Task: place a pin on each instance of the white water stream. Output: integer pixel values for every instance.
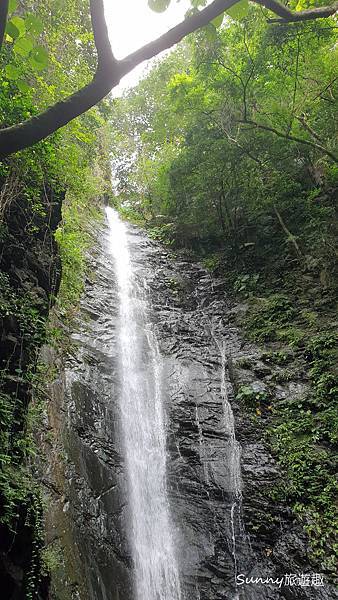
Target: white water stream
(156, 572)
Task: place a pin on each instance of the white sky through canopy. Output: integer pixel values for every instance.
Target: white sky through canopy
(131, 24)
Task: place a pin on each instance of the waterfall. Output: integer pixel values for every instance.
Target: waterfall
(143, 427)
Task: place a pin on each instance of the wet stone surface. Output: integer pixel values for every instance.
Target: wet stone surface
(225, 522)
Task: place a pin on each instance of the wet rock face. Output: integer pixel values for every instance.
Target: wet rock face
(225, 522)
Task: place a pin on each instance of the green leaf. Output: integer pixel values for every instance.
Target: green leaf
(38, 59)
(23, 86)
(40, 56)
(158, 5)
(12, 6)
(217, 21)
(19, 24)
(239, 11)
(210, 32)
(33, 24)
(23, 46)
(36, 66)
(12, 30)
(12, 72)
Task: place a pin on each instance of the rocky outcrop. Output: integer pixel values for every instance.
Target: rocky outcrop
(226, 523)
(29, 279)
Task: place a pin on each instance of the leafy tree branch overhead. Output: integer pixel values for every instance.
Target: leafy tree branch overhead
(21, 34)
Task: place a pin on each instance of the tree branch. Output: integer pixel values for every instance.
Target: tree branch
(288, 233)
(288, 16)
(3, 19)
(105, 57)
(245, 150)
(327, 87)
(245, 86)
(308, 128)
(109, 71)
(108, 74)
(295, 87)
(39, 127)
(292, 138)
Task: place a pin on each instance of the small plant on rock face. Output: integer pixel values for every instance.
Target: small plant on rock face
(162, 233)
(320, 346)
(212, 262)
(247, 394)
(258, 400)
(283, 376)
(51, 558)
(269, 318)
(244, 363)
(321, 354)
(174, 286)
(246, 284)
(291, 335)
(280, 357)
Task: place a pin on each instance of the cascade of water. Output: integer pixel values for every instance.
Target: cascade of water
(156, 572)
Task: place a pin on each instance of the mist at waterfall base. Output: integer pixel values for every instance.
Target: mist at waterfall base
(143, 427)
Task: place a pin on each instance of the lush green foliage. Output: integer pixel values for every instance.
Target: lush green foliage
(22, 33)
(206, 144)
(74, 238)
(48, 52)
(302, 430)
(304, 439)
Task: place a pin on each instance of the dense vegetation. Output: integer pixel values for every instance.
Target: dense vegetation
(108, 70)
(47, 52)
(227, 150)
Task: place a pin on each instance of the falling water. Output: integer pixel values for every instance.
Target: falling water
(156, 573)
